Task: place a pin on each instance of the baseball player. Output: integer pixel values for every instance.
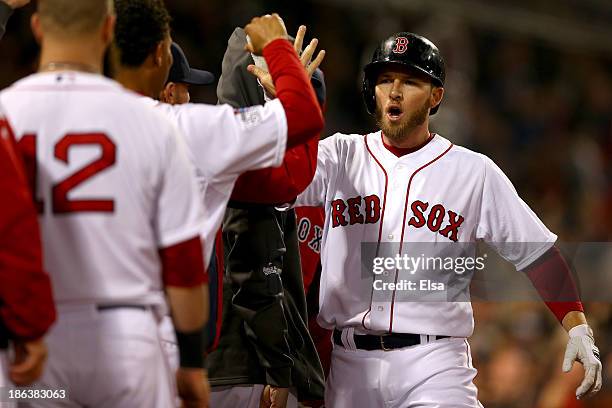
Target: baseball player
(406, 185)
(223, 142)
(176, 92)
(181, 77)
(26, 305)
(120, 217)
(6, 9)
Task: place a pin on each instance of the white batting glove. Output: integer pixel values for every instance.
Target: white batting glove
(581, 346)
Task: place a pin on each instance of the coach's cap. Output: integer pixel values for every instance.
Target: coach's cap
(182, 72)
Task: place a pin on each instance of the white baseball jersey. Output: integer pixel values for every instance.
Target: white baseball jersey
(223, 143)
(441, 193)
(113, 184)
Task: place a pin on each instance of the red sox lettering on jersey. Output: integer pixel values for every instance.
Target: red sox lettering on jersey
(366, 210)
(309, 233)
(440, 193)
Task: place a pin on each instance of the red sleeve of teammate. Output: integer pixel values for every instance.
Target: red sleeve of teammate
(281, 184)
(293, 89)
(26, 302)
(553, 280)
(183, 264)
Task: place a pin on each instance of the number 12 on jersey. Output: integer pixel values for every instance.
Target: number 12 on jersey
(61, 204)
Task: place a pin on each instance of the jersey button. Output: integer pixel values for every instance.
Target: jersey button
(381, 308)
(390, 236)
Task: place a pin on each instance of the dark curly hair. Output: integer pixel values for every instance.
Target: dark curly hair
(141, 25)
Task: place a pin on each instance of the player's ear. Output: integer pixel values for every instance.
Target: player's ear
(167, 95)
(437, 92)
(108, 29)
(36, 28)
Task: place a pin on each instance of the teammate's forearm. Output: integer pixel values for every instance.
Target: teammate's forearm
(295, 92)
(189, 307)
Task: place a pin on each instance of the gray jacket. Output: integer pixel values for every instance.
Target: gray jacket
(264, 335)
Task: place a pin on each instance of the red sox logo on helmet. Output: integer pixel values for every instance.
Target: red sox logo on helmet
(401, 45)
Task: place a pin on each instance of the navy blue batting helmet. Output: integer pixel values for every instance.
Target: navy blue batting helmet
(406, 49)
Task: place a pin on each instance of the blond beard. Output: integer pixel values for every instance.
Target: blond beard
(400, 132)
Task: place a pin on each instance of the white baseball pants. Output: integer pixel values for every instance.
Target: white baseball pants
(438, 374)
(167, 337)
(4, 379)
(106, 359)
(168, 342)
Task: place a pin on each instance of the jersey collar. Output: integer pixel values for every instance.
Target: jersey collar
(434, 147)
(402, 151)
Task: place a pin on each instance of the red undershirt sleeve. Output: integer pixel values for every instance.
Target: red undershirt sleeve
(281, 184)
(552, 278)
(183, 264)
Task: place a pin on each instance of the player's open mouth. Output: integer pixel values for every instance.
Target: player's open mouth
(394, 113)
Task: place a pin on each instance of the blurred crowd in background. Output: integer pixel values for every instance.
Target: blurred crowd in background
(540, 106)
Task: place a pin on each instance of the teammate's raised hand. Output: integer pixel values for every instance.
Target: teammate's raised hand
(15, 4)
(306, 55)
(262, 31)
(309, 64)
